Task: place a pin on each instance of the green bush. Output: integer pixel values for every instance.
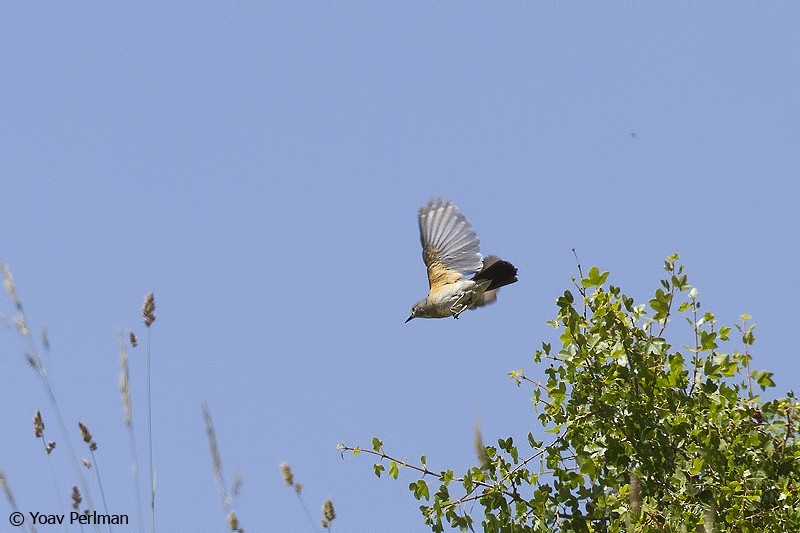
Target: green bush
(646, 437)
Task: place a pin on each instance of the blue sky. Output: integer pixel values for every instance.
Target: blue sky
(259, 167)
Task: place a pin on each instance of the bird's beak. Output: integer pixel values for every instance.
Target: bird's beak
(409, 318)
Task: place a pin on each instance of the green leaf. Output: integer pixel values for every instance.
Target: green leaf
(559, 393)
(748, 337)
(679, 282)
(468, 484)
(446, 477)
(697, 466)
(378, 469)
(513, 452)
(420, 489)
(589, 468)
(393, 470)
(660, 304)
(707, 339)
(377, 444)
(565, 300)
(595, 278)
(764, 379)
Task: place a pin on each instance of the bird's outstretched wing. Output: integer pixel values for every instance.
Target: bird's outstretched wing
(450, 247)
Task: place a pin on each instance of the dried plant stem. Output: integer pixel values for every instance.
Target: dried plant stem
(39, 366)
(216, 458)
(150, 439)
(136, 482)
(308, 514)
(99, 483)
(36, 362)
(53, 475)
(328, 514)
(216, 465)
(288, 479)
(148, 314)
(126, 402)
(10, 497)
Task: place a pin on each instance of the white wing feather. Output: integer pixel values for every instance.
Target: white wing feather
(447, 236)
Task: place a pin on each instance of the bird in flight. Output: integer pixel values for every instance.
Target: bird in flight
(459, 276)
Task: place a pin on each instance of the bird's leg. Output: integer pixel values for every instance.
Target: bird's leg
(458, 307)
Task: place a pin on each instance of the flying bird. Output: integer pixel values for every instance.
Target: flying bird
(459, 276)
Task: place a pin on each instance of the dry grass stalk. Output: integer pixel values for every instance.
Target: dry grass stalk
(38, 431)
(123, 383)
(7, 491)
(33, 358)
(288, 479)
(236, 486)
(148, 309)
(38, 424)
(124, 389)
(76, 498)
(216, 460)
(87, 436)
(286, 473)
(216, 463)
(8, 280)
(328, 511)
(45, 339)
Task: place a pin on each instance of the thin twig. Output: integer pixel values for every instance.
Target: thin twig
(747, 359)
(581, 288)
(523, 377)
(669, 303)
(580, 271)
(696, 358)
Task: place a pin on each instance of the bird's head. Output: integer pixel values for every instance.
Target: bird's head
(416, 310)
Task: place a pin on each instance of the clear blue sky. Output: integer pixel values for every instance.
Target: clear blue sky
(260, 168)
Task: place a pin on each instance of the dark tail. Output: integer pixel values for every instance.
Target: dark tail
(498, 271)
